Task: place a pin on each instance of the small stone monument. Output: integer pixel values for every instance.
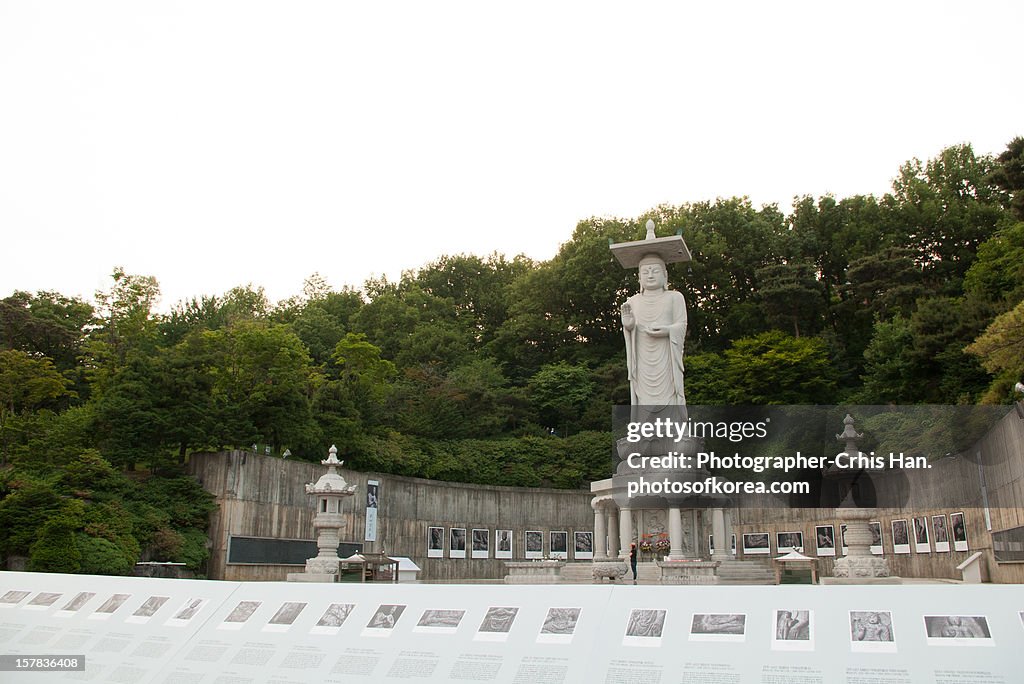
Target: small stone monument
(859, 566)
(329, 491)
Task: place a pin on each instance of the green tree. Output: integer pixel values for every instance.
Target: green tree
(776, 368)
(559, 393)
(262, 384)
(45, 324)
(948, 208)
(1008, 176)
(998, 273)
(1000, 350)
(792, 298)
(889, 373)
(26, 383)
(479, 289)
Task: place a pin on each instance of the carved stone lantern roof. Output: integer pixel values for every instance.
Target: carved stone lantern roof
(331, 482)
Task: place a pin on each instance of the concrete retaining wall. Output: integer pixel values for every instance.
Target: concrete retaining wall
(262, 496)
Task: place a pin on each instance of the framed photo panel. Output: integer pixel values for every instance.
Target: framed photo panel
(457, 542)
(789, 541)
(756, 543)
(940, 532)
(435, 542)
(900, 537)
(921, 544)
(534, 543)
(583, 545)
(559, 545)
(825, 540)
(959, 525)
(503, 544)
(481, 543)
(876, 537)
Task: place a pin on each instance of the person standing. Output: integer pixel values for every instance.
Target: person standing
(632, 560)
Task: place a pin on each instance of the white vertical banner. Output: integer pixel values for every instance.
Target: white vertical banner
(372, 500)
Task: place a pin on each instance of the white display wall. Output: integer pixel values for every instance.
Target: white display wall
(140, 630)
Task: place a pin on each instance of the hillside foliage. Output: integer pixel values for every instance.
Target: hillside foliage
(493, 369)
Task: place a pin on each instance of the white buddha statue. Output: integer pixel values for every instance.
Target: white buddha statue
(654, 325)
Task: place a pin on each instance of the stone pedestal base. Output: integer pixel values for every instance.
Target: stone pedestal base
(326, 566)
(689, 572)
(534, 572)
(860, 567)
(613, 570)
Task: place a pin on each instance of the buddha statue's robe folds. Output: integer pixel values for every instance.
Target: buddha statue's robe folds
(655, 359)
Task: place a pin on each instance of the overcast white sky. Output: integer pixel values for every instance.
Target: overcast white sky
(213, 144)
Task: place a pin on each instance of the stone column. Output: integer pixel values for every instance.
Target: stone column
(695, 532)
(625, 532)
(613, 532)
(720, 534)
(600, 541)
(728, 530)
(675, 533)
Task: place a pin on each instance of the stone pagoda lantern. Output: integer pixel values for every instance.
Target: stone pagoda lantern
(859, 566)
(328, 522)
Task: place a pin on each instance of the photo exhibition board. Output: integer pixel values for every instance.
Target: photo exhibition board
(152, 630)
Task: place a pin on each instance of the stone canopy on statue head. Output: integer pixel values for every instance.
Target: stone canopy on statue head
(669, 249)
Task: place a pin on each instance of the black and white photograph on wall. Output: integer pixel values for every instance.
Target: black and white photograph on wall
(583, 545)
(792, 630)
(534, 544)
(481, 543)
(959, 525)
(876, 537)
(842, 538)
(921, 544)
(457, 542)
(333, 618)
(148, 608)
(559, 545)
(559, 625)
(789, 541)
(756, 543)
(384, 620)
(435, 542)
(644, 627)
(718, 627)
(284, 617)
(962, 630)
(940, 533)
(900, 537)
(496, 624)
(825, 540)
(439, 621)
(503, 544)
(872, 631)
(372, 504)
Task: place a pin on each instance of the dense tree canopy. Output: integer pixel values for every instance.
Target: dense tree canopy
(498, 370)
